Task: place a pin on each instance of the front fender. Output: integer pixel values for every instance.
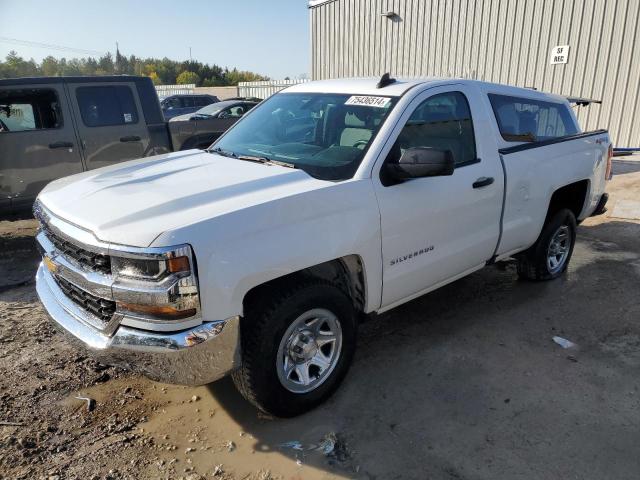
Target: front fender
(246, 248)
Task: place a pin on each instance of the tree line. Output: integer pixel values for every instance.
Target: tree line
(162, 71)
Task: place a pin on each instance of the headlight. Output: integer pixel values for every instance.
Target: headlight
(156, 285)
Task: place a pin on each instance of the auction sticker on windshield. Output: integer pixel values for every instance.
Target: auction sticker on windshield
(369, 101)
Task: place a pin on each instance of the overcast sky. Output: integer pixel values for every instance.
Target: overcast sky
(270, 37)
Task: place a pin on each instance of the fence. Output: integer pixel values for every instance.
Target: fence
(262, 89)
(267, 88)
(166, 90)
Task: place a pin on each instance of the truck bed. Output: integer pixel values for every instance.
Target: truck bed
(565, 160)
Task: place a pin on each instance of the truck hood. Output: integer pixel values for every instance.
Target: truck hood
(133, 202)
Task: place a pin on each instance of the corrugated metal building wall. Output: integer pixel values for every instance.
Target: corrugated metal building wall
(503, 41)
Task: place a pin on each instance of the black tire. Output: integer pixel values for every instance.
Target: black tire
(532, 264)
(262, 329)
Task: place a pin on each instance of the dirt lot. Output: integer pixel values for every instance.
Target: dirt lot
(464, 383)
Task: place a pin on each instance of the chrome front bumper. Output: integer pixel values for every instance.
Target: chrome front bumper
(196, 356)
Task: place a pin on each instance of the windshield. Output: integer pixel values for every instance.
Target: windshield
(211, 109)
(326, 135)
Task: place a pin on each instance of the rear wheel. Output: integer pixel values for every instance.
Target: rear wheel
(549, 257)
(297, 347)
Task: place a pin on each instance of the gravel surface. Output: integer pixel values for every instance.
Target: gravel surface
(464, 383)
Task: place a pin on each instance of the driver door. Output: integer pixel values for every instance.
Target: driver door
(437, 229)
(37, 141)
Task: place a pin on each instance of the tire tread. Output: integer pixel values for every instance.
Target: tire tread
(531, 264)
(259, 317)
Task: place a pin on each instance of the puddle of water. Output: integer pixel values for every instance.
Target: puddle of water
(197, 432)
(589, 252)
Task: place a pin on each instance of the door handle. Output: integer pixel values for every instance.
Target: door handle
(483, 182)
(60, 145)
(130, 138)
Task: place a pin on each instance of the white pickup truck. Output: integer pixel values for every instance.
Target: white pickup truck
(330, 200)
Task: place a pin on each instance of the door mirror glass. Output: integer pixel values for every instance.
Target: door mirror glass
(418, 162)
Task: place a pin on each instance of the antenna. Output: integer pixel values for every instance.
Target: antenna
(385, 80)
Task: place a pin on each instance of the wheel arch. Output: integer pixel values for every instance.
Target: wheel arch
(572, 196)
(346, 272)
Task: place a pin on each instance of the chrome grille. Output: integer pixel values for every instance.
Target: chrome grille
(95, 262)
(99, 307)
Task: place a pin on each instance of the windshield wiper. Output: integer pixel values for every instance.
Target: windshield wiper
(265, 160)
(282, 164)
(250, 158)
(224, 153)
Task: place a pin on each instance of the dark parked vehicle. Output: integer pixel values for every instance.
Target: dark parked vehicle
(234, 108)
(175, 105)
(52, 127)
(246, 99)
(202, 128)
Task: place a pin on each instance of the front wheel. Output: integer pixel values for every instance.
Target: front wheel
(549, 257)
(296, 347)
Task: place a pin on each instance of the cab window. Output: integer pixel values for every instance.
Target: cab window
(233, 112)
(203, 101)
(172, 102)
(442, 122)
(106, 105)
(527, 120)
(29, 109)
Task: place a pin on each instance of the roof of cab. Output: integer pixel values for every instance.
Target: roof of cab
(144, 86)
(368, 86)
(359, 86)
(75, 79)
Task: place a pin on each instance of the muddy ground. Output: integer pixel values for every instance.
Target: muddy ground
(464, 383)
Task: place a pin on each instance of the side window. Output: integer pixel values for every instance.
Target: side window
(189, 102)
(442, 122)
(236, 111)
(29, 109)
(527, 120)
(172, 102)
(232, 112)
(204, 101)
(106, 105)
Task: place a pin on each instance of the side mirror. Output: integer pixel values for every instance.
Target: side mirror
(418, 162)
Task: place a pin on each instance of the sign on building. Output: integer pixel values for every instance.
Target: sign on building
(559, 54)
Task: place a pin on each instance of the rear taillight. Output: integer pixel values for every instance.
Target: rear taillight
(609, 160)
